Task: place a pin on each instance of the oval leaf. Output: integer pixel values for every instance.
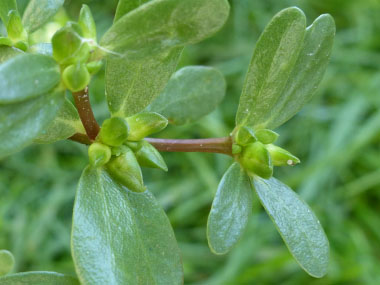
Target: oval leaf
(274, 57)
(230, 210)
(126, 6)
(20, 123)
(38, 277)
(307, 72)
(296, 223)
(27, 76)
(7, 262)
(121, 237)
(142, 32)
(132, 84)
(191, 93)
(39, 12)
(64, 125)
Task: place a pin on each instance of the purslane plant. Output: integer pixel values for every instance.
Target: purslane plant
(120, 234)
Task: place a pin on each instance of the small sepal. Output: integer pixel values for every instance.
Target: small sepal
(245, 135)
(76, 77)
(126, 170)
(148, 156)
(256, 160)
(281, 156)
(144, 124)
(99, 154)
(114, 131)
(266, 136)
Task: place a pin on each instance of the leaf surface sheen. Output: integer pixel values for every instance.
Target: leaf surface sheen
(126, 6)
(121, 237)
(38, 278)
(230, 210)
(296, 223)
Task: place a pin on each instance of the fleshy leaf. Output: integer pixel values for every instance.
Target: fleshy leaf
(64, 125)
(21, 123)
(7, 262)
(8, 52)
(296, 223)
(308, 71)
(27, 76)
(192, 92)
(142, 32)
(126, 6)
(121, 237)
(5, 7)
(274, 57)
(38, 277)
(131, 84)
(39, 12)
(230, 210)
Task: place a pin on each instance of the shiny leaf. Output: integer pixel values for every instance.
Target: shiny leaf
(165, 24)
(192, 92)
(121, 237)
(297, 224)
(230, 210)
(39, 12)
(274, 57)
(27, 76)
(38, 277)
(21, 123)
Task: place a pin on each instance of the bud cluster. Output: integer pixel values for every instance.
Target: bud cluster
(255, 151)
(120, 148)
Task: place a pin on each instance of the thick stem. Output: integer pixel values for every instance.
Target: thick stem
(214, 145)
(81, 138)
(82, 102)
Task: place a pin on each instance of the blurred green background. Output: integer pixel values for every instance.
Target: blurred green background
(336, 136)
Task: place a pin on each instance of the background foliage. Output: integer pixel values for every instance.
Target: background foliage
(336, 137)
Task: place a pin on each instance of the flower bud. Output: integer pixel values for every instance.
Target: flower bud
(5, 41)
(69, 45)
(87, 23)
(114, 131)
(144, 124)
(99, 154)
(236, 149)
(76, 77)
(148, 156)
(256, 160)
(245, 135)
(94, 66)
(266, 136)
(126, 170)
(281, 156)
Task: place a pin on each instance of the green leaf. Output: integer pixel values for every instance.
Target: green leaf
(274, 57)
(63, 126)
(27, 76)
(126, 6)
(165, 24)
(297, 225)
(5, 7)
(191, 93)
(8, 52)
(230, 210)
(21, 123)
(38, 277)
(131, 84)
(308, 71)
(121, 237)
(39, 12)
(7, 262)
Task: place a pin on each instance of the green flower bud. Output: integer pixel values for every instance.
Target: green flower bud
(87, 23)
(266, 136)
(69, 46)
(5, 41)
(126, 170)
(144, 124)
(22, 45)
(245, 135)
(76, 77)
(256, 160)
(114, 131)
(148, 156)
(281, 156)
(99, 154)
(236, 149)
(135, 146)
(15, 29)
(94, 66)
